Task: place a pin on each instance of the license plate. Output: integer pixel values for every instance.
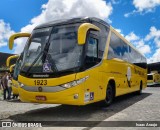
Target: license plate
(41, 98)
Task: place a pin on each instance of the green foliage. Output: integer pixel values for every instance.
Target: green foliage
(3, 68)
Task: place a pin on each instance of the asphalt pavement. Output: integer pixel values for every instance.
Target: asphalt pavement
(128, 108)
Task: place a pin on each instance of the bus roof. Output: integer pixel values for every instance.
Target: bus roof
(73, 20)
(84, 19)
(152, 73)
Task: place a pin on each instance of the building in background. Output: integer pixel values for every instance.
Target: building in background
(3, 58)
(154, 67)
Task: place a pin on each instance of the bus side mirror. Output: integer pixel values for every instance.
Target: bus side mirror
(11, 68)
(15, 36)
(10, 58)
(82, 32)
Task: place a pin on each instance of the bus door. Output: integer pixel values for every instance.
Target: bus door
(90, 61)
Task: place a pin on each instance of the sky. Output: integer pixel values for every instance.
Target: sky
(137, 20)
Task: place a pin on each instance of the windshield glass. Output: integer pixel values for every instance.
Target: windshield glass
(35, 47)
(17, 67)
(16, 71)
(52, 51)
(150, 77)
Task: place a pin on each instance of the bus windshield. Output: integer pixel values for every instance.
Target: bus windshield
(52, 50)
(149, 77)
(17, 67)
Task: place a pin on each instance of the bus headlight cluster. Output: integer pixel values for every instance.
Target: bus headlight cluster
(74, 83)
(21, 85)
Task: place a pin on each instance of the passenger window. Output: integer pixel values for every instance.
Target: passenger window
(120, 49)
(124, 50)
(92, 48)
(117, 48)
(103, 35)
(91, 58)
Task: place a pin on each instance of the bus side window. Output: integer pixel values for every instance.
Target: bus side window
(115, 47)
(91, 52)
(92, 48)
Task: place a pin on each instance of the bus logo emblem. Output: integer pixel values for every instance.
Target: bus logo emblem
(40, 89)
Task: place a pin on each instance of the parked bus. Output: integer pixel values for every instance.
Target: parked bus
(153, 79)
(15, 68)
(78, 61)
(11, 68)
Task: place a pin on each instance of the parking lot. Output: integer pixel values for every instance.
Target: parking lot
(131, 107)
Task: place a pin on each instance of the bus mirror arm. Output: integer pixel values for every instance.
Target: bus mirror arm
(10, 58)
(82, 32)
(11, 68)
(15, 36)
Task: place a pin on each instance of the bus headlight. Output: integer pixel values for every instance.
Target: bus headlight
(21, 85)
(74, 83)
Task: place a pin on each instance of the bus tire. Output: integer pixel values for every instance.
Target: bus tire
(109, 95)
(139, 92)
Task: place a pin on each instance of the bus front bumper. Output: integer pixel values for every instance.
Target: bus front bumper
(152, 84)
(71, 96)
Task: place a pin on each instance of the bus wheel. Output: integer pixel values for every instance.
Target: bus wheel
(139, 92)
(109, 95)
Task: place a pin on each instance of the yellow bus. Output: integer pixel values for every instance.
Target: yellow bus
(153, 79)
(15, 68)
(77, 62)
(12, 68)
